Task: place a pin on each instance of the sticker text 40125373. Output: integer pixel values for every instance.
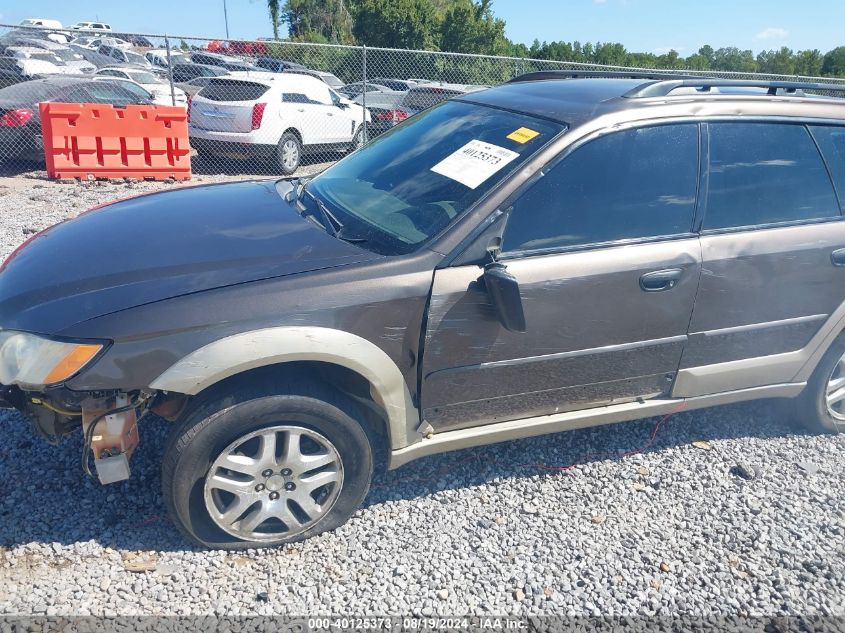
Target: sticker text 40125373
(474, 163)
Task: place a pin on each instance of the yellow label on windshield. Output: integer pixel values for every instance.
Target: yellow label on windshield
(523, 135)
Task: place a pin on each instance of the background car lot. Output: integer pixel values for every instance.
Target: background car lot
(404, 81)
(566, 524)
(576, 523)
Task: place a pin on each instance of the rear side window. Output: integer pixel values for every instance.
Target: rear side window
(831, 141)
(230, 90)
(763, 173)
(632, 184)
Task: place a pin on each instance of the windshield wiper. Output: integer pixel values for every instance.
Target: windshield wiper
(330, 221)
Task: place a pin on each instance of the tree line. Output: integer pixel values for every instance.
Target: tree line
(470, 26)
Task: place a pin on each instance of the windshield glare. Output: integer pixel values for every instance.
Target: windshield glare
(143, 78)
(405, 187)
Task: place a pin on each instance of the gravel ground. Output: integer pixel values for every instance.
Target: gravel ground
(671, 530)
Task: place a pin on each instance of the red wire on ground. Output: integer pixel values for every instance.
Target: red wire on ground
(582, 460)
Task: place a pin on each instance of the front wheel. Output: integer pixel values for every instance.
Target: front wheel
(258, 469)
(289, 153)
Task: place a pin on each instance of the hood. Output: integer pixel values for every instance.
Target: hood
(158, 246)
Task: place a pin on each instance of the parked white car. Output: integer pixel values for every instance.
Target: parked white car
(43, 22)
(93, 43)
(71, 58)
(37, 61)
(91, 26)
(160, 90)
(277, 116)
(158, 57)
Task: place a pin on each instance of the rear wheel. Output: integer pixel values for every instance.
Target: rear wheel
(289, 153)
(821, 406)
(260, 468)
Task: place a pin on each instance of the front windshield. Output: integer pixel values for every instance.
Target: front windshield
(143, 78)
(46, 56)
(405, 187)
(67, 55)
(134, 58)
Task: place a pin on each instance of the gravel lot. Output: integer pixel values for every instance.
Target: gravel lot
(671, 530)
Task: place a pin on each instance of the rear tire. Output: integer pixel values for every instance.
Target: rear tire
(357, 140)
(310, 484)
(821, 406)
(289, 153)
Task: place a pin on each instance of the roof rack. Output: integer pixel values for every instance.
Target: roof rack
(664, 88)
(540, 75)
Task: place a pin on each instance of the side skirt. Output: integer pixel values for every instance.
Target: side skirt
(530, 427)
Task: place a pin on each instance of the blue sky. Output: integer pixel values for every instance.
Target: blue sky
(642, 25)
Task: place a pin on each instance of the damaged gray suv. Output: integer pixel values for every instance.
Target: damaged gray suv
(546, 255)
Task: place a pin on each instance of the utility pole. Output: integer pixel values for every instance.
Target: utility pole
(226, 19)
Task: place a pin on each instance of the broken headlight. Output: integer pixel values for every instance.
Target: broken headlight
(31, 360)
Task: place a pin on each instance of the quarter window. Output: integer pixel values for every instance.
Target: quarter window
(626, 185)
(831, 141)
(764, 173)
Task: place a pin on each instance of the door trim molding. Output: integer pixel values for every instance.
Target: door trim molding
(531, 427)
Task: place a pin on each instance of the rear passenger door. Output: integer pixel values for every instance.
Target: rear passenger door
(771, 239)
(603, 247)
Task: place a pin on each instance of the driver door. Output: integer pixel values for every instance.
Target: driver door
(603, 249)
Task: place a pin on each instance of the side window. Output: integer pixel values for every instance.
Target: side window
(632, 184)
(831, 140)
(294, 97)
(762, 173)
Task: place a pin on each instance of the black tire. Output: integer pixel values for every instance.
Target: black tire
(810, 407)
(357, 140)
(289, 142)
(217, 420)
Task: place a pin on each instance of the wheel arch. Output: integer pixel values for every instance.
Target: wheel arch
(280, 346)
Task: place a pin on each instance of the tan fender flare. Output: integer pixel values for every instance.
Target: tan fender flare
(238, 353)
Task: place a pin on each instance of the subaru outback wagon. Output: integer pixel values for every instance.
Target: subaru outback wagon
(546, 255)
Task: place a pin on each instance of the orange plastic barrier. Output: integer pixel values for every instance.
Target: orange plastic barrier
(94, 140)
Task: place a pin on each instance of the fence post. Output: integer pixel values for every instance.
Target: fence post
(364, 93)
(170, 71)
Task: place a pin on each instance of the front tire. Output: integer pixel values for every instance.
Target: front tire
(821, 406)
(289, 153)
(266, 465)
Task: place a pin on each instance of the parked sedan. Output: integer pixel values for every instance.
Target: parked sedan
(183, 73)
(158, 57)
(427, 95)
(107, 55)
(43, 62)
(158, 88)
(72, 59)
(20, 123)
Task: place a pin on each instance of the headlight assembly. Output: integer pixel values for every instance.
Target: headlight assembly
(28, 359)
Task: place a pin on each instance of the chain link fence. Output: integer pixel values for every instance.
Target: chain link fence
(255, 107)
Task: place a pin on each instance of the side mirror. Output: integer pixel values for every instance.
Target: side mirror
(503, 289)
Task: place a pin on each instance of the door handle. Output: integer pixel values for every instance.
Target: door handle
(837, 257)
(300, 109)
(661, 280)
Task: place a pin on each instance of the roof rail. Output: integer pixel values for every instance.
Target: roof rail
(664, 88)
(540, 75)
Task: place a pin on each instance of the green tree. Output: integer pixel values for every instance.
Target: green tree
(470, 27)
(833, 64)
(397, 24)
(318, 21)
(779, 62)
(273, 7)
(808, 63)
(734, 59)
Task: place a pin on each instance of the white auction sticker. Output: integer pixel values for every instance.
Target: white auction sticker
(474, 163)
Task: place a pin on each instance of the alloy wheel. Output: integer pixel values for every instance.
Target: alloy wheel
(835, 391)
(273, 483)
